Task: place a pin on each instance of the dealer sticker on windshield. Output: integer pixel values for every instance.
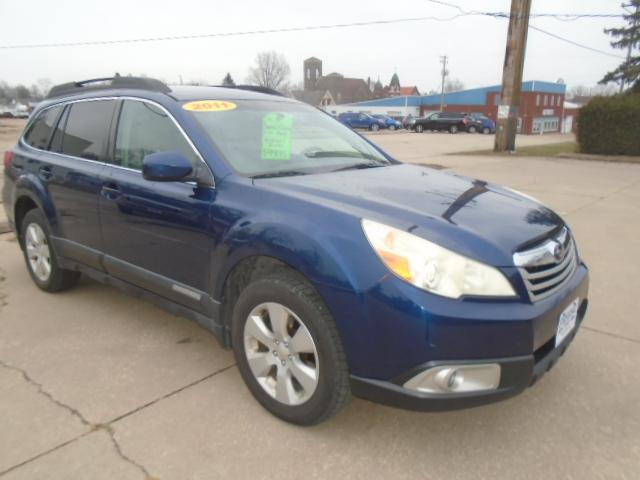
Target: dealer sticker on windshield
(567, 321)
(277, 132)
(209, 106)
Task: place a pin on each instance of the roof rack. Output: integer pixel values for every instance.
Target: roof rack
(254, 88)
(142, 83)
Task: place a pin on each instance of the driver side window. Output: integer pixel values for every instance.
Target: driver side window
(143, 129)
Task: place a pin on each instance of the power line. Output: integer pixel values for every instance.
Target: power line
(462, 13)
(231, 34)
(567, 17)
(586, 47)
(558, 16)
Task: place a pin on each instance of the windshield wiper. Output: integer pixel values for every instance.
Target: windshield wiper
(339, 154)
(281, 173)
(360, 166)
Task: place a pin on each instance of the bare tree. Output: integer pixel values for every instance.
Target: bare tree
(271, 70)
(44, 85)
(583, 91)
(453, 85)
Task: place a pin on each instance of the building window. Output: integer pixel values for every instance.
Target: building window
(537, 100)
(553, 100)
(545, 101)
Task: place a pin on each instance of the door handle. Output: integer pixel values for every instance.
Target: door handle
(44, 172)
(110, 190)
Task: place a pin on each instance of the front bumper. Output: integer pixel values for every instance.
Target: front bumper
(517, 373)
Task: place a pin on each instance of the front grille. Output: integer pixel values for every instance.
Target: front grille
(547, 267)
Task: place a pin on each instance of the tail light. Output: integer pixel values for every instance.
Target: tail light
(8, 159)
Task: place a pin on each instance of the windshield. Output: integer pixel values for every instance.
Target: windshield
(262, 138)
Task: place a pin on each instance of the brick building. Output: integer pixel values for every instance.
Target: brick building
(541, 105)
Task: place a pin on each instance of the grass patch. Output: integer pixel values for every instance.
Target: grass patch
(547, 150)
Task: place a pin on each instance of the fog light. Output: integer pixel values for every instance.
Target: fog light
(456, 378)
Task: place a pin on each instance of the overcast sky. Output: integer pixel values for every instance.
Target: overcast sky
(475, 45)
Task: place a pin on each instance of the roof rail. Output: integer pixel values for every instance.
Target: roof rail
(254, 88)
(142, 83)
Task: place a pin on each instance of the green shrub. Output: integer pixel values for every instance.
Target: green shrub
(610, 125)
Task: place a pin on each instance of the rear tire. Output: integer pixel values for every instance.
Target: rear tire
(486, 130)
(313, 377)
(472, 129)
(419, 128)
(453, 129)
(392, 127)
(41, 258)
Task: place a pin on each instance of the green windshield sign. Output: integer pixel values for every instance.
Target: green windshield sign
(277, 133)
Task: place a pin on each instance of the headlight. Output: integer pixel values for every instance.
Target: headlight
(432, 267)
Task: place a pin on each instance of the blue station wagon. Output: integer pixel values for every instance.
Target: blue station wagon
(329, 267)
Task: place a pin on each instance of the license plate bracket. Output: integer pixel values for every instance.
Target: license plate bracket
(567, 321)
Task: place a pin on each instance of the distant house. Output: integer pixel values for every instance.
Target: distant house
(409, 91)
(317, 98)
(344, 89)
(335, 88)
(394, 86)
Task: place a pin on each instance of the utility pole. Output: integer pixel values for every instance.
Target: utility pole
(635, 21)
(512, 76)
(443, 61)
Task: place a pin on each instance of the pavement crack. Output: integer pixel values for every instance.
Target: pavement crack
(118, 448)
(171, 393)
(3, 295)
(614, 335)
(73, 411)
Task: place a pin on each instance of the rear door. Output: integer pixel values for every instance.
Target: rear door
(72, 170)
(156, 234)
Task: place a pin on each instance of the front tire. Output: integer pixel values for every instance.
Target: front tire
(288, 349)
(39, 255)
(486, 130)
(419, 128)
(472, 129)
(392, 127)
(375, 127)
(453, 129)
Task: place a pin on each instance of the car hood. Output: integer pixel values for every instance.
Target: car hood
(473, 217)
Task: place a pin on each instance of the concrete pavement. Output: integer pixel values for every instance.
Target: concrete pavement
(97, 384)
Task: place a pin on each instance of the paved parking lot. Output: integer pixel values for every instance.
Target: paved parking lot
(96, 384)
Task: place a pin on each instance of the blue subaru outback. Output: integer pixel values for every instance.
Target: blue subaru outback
(330, 268)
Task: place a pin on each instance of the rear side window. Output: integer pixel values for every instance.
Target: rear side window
(40, 131)
(143, 129)
(87, 129)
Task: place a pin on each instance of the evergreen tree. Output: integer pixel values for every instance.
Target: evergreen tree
(228, 80)
(626, 38)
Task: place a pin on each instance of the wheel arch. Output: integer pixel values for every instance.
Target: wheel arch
(29, 195)
(270, 248)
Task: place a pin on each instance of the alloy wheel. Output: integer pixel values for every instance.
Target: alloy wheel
(38, 252)
(281, 353)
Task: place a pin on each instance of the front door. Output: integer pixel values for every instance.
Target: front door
(156, 234)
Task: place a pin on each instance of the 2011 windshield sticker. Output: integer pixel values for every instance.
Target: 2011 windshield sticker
(209, 106)
(277, 133)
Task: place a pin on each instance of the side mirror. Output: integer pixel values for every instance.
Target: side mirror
(166, 167)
